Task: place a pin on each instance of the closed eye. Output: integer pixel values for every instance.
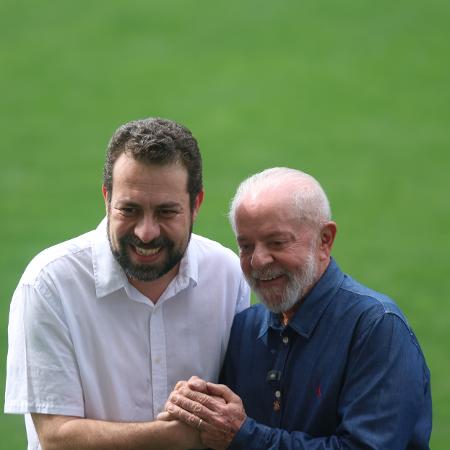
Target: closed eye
(167, 213)
(277, 243)
(127, 210)
(245, 248)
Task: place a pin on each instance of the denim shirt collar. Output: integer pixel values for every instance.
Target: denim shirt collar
(314, 305)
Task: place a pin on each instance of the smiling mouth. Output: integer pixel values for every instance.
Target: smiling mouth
(146, 251)
(274, 277)
(267, 274)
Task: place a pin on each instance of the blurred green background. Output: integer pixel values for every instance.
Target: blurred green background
(355, 92)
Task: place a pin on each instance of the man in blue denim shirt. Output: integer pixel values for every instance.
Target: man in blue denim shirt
(326, 363)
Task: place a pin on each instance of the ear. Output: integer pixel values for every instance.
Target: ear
(198, 201)
(105, 197)
(327, 235)
(105, 193)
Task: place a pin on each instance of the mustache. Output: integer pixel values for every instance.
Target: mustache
(160, 241)
(267, 273)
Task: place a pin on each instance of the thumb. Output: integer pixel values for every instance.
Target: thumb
(165, 416)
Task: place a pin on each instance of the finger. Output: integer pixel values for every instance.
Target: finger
(198, 397)
(218, 399)
(194, 408)
(195, 378)
(184, 408)
(196, 423)
(179, 385)
(188, 405)
(184, 416)
(220, 390)
(197, 384)
(191, 412)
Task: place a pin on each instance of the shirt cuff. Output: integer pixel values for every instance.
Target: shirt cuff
(251, 436)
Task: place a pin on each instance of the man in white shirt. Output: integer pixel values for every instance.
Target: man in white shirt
(103, 326)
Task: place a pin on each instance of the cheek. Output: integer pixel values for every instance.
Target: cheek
(246, 264)
(293, 265)
(113, 235)
(174, 231)
(118, 229)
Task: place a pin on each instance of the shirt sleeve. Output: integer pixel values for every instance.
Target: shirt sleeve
(385, 391)
(42, 374)
(243, 300)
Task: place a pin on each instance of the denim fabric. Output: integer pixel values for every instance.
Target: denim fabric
(346, 373)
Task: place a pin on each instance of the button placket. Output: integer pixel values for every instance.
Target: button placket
(158, 360)
(281, 349)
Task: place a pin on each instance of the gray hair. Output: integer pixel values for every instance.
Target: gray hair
(308, 196)
(156, 141)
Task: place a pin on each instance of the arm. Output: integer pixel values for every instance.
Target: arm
(243, 298)
(384, 401)
(44, 376)
(73, 433)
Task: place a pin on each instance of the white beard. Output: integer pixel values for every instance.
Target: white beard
(280, 300)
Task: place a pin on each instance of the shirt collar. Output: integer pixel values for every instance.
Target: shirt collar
(108, 274)
(110, 277)
(314, 305)
(187, 273)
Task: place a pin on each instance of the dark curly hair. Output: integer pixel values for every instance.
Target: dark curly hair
(156, 141)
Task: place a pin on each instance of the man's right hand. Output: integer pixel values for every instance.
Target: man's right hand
(214, 409)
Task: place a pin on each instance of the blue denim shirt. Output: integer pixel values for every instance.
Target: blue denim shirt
(346, 373)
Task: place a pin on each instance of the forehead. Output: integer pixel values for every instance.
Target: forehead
(268, 211)
(133, 177)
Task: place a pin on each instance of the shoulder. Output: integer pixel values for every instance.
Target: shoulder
(370, 322)
(366, 307)
(253, 317)
(207, 248)
(368, 299)
(55, 259)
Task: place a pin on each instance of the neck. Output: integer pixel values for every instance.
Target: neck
(154, 289)
(286, 316)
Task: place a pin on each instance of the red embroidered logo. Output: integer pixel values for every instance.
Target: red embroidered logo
(318, 391)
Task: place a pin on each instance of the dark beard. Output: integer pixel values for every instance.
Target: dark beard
(146, 272)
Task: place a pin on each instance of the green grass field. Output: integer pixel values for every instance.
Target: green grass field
(355, 92)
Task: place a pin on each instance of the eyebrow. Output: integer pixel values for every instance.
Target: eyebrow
(169, 205)
(125, 202)
(275, 234)
(283, 234)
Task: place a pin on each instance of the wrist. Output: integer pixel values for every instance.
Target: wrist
(181, 436)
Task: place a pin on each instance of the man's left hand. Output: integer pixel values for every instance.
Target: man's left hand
(217, 414)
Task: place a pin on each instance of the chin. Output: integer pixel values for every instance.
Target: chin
(277, 303)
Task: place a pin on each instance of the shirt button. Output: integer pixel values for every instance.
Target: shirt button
(277, 394)
(285, 340)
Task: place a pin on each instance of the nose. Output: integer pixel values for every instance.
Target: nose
(147, 228)
(261, 257)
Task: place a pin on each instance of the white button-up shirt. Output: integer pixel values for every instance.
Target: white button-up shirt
(84, 342)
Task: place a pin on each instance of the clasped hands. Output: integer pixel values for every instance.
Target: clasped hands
(213, 409)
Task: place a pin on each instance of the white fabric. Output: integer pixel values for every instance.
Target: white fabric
(84, 342)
